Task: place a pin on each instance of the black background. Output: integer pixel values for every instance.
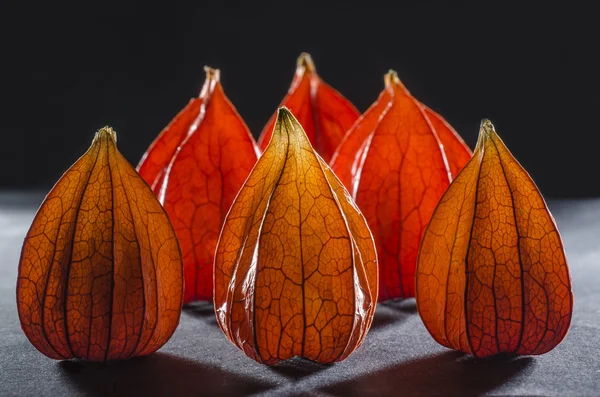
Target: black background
(67, 70)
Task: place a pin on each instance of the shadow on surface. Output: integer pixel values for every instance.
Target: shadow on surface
(155, 375)
(392, 312)
(298, 368)
(444, 374)
(407, 305)
(203, 310)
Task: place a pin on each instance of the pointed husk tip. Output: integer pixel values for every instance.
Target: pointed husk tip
(284, 113)
(213, 76)
(106, 131)
(487, 127)
(212, 73)
(486, 130)
(305, 62)
(287, 118)
(391, 79)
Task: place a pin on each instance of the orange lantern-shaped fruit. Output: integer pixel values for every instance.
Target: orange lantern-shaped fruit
(197, 165)
(296, 268)
(100, 276)
(397, 161)
(492, 275)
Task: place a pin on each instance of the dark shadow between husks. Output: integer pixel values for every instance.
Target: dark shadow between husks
(202, 310)
(445, 374)
(393, 312)
(297, 368)
(158, 374)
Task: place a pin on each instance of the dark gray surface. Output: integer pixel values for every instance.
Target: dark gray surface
(398, 357)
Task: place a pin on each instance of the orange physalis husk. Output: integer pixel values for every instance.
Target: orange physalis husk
(394, 163)
(101, 275)
(323, 112)
(456, 151)
(492, 275)
(202, 179)
(296, 267)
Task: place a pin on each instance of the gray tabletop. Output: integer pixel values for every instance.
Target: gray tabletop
(398, 357)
